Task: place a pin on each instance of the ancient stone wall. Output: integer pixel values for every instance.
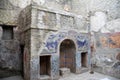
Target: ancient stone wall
(24, 25)
(35, 26)
(10, 54)
(107, 53)
(105, 29)
(10, 9)
(100, 17)
(10, 47)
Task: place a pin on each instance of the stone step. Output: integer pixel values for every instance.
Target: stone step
(83, 69)
(64, 72)
(45, 77)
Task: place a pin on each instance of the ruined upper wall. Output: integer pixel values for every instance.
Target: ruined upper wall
(65, 5)
(104, 16)
(111, 7)
(51, 19)
(10, 9)
(83, 7)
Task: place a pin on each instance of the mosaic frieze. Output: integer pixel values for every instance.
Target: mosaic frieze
(52, 43)
(54, 40)
(82, 42)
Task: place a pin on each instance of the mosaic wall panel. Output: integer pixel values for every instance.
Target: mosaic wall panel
(54, 66)
(82, 43)
(78, 60)
(54, 39)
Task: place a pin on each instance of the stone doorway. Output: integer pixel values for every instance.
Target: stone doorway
(67, 54)
(84, 59)
(45, 66)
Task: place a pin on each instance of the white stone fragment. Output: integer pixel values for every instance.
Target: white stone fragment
(98, 21)
(105, 79)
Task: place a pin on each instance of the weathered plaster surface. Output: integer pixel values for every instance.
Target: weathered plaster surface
(10, 55)
(46, 16)
(98, 21)
(10, 9)
(112, 26)
(60, 4)
(107, 53)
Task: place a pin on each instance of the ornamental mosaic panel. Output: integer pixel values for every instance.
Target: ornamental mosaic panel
(54, 65)
(54, 39)
(82, 42)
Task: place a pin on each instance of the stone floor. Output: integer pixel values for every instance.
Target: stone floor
(88, 76)
(13, 78)
(84, 76)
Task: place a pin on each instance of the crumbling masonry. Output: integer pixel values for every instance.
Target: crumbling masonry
(45, 39)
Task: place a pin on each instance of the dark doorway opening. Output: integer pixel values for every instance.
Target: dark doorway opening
(84, 59)
(22, 57)
(45, 65)
(67, 54)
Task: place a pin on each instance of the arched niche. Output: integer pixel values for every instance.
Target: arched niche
(67, 54)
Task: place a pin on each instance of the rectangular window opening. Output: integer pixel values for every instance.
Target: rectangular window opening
(7, 32)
